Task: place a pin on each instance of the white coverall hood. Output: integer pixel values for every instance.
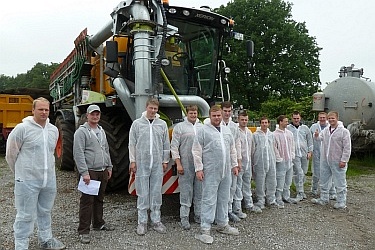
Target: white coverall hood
(38, 161)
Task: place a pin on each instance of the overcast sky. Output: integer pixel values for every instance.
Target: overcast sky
(44, 30)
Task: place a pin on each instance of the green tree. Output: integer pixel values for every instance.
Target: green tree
(274, 107)
(6, 82)
(286, 60)
(37, 77)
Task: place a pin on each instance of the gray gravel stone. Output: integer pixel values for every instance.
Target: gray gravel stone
(298, 226)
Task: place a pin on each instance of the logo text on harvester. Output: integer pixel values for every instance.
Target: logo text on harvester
(203, 16)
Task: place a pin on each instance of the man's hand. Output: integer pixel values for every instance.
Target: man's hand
(235, 171)
(180, 169)
(316, 133)
(109, 174)
(342, 164)
(309, 155)
(86, 179)
(200, 175)
(165, 167)
(133, 167)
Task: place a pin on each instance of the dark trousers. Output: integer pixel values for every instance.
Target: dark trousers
(91, 206)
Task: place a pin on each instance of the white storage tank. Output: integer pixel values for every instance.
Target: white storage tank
(353, 98)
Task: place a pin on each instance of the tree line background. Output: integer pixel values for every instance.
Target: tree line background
(285, 67)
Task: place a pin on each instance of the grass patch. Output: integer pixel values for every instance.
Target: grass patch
(361, 166)
(358, 165)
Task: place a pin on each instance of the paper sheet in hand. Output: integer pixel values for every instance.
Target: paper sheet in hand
(92, 188)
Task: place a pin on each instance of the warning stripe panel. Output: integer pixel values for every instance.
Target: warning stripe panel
(170, 183)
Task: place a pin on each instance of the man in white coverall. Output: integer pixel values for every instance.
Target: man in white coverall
(320, 125)
(243, 190)
(149, 156)
(264, 162)
(190, 187)
(335, 155)
(284, 143)
(214, 159)
(30, 156)
(227, 121)
(304, 147)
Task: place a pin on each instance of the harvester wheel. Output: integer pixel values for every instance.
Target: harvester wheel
(116, 126)
(64, 148)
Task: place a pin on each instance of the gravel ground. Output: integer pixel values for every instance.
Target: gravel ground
(301, 226)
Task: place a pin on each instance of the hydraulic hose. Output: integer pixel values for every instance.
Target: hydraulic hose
(172, 90)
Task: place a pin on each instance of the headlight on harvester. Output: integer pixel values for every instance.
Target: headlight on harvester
(165, 62)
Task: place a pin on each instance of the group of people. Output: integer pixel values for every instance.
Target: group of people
(215, 160)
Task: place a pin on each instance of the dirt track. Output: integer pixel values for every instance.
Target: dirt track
(301, 226)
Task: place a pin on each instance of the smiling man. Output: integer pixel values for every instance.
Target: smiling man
(149, 156)
(30, 155)
(336, 149)
(190, 187)
(215, 157)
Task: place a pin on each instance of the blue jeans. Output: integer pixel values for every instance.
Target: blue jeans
(33, 202)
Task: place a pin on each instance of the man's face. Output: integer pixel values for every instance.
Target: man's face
(322, 119)
(41, 111)
(215, 118)
(93, 117)
(192, 116)
(332, 120)
(227, 113)
(284, 123)
(264, 124)
(151, 110)
(242, 121)
(296, 119)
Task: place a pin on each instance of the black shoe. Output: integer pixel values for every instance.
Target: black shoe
(105, 227)
(84, 238)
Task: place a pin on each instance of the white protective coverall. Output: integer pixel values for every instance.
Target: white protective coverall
(264, 161)
(303, 144)
(190, 187)
(214, 152)
(235, 130)
(243, 190)
(316, 160)
(149, 149)
(30, 155)
(285, 153)
(336, 147)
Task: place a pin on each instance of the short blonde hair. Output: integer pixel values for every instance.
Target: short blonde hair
(153, 101)
(40, 99)
(214, 108)
(335, 113)
(191, 108)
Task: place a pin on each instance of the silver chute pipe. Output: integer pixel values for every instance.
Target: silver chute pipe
(142, 57)
(102, 35)
(125, 96)
(170, 101)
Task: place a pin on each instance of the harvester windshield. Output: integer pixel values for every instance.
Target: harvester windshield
(194, 49)
(193, 59)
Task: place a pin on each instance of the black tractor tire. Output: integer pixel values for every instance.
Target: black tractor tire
(116, 124)
(64, 148)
